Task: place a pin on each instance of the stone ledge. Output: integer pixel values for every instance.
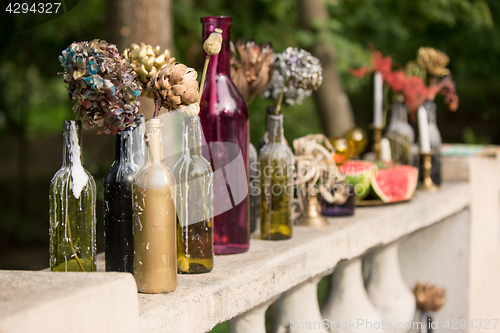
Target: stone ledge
(240, 282)
(67, 302)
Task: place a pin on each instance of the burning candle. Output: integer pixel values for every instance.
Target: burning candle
(377, 117)
(423, 127)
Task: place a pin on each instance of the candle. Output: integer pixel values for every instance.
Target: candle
(423, 127)
(377, 117)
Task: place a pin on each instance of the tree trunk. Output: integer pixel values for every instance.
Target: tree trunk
(151, 22)
(331, 100)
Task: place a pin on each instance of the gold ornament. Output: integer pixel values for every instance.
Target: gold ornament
(429, 298)
(213, 43)
(358, 138)
(146, 62)
(433, 61)
(175, 86)
(344, 149)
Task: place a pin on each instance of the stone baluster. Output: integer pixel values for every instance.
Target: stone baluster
(252, 321)
(387, 290)
(299, 309)
(348, 308)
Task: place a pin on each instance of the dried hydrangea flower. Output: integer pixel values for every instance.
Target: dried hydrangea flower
(251, 67)
(175, 86)
(102, 84)
(146, 61)
(433, 61)
(298, 71)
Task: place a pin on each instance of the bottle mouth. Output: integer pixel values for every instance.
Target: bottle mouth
(153, 123)
(208, 19)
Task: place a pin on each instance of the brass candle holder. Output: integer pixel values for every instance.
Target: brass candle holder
(427, 184)
(377, 136)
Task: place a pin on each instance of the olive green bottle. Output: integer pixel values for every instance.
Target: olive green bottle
(276, 181)
(194, 178)
(72, 209)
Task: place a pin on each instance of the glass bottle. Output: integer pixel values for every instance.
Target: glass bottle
(254, 188)
(72, 209)
(436, 142)
(155, 248)
(118, 226)
(225, 123)
(276, 179)
(194, 178)
(400, 134)
(138, 149)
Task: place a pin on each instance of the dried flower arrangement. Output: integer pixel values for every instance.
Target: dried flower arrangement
(251, 67)
(410, 82)
(296, 73)
(103, 85)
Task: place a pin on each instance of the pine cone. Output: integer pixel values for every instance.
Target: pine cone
(433, 61)
(146, 62)
(175, 86)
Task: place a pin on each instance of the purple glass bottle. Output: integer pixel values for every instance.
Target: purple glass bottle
(225, 124)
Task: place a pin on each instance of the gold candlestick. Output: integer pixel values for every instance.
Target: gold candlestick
(377, 136)
(427, 184)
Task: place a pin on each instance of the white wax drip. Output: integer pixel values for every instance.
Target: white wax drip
(80, 177)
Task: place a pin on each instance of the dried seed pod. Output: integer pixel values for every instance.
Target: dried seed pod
(146, 62)
(429, 298)
(213, 43)
(175, 86)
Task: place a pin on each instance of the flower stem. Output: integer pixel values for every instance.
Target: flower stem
(203, 75)
(73, 248)
(280, 100)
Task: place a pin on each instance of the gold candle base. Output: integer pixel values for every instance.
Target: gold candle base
(427, 184)
(377, 136)
(312, 215)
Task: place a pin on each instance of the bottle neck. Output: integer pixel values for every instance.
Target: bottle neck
(153, 140)
(72, 137)
(191, 137)
(219, 63)
(430, 107)
(275, 128)
(123, 146)
(399, 113)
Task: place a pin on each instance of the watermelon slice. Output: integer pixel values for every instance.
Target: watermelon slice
(358, 175)
(395, 184)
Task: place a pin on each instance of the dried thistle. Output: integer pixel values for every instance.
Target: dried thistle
(102, 84)
(213, 43)
(146, 62)
(251, 68)
(429, 298)
(296, 73)
(175, 86)
(433, 61)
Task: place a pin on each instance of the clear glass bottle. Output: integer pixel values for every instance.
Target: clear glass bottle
(276, 179)
(194, 178)
(138, 149)
(155, 247)
(436, 142)
(225, 123)
(400, 134)
(72, 209)
(118, 222)
(254, 188)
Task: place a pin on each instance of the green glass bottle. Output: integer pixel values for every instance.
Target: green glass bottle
(72, 209)
(276, 167)
(194, 178)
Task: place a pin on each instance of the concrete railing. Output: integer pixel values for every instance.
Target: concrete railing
(448, 238)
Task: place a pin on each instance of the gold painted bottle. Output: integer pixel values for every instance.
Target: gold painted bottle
(155, 255)
(194, 178)
(276, 181)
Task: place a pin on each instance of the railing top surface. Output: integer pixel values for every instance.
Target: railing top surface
(240, 282)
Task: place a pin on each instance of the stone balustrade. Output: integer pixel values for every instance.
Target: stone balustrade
(428, 238)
